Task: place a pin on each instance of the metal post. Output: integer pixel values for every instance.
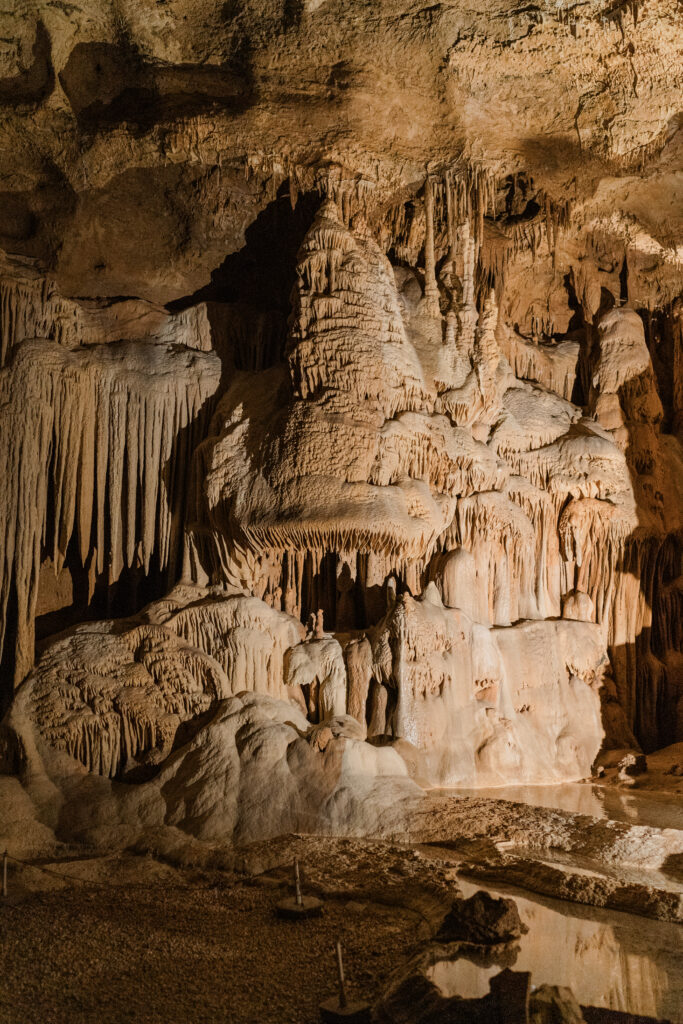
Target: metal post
(4, 874)
(340, 970)
(298, 906)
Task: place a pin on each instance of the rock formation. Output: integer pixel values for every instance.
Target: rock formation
(97, 442)
(339, 410)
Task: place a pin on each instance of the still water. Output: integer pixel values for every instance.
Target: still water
(633, 807)
(610, 960)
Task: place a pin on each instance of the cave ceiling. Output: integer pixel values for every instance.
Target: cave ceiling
(190, 117)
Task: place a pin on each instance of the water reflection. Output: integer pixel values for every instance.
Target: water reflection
(610, 960)
(633, 807)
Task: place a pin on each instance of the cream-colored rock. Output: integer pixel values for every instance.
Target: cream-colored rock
(255, 769)
(384, 452)
(94, 453)
(317, 667)
(347, 459)
(553, 367)
(120, 696)
(455, 573)
(578, 606)
(358, 659)
(496, 705)
(450, 444)
(247, 637)
(113, 695)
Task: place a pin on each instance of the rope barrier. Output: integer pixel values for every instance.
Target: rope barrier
(105, 883)
(46, 871)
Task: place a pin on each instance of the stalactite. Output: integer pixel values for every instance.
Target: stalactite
(30, 307)
(431, 289)
(492, 268)
(105, 448)
(245, 636)
(502, 542)
(447, 451)
(450, 217)
(554, 367)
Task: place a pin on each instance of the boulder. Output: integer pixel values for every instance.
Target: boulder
(482, 920)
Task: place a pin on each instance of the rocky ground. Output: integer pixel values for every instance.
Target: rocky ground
(187, 933)
(175, 946)
(173, 928)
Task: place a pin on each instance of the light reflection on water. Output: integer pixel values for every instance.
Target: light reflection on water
(610, 960)
(632, 807)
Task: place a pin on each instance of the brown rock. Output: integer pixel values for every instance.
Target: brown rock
(482, 919)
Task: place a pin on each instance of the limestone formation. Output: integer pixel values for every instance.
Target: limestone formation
(95, 448)
(473, 701)
(341, 382)
(341, 491)
(249, 639)
(115, 697)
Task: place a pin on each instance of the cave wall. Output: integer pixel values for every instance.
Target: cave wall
(395, 358)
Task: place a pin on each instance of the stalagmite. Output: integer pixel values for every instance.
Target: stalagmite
(358, 658)
(460, 455)
(375, 461)
(317, 668)
(114, 696)
(227, 387)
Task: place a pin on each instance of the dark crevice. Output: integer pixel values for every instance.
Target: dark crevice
(37, 81)
(108, 84)
(255, 284)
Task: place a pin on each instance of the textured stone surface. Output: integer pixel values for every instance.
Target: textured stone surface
(481, 919)
(348, 336)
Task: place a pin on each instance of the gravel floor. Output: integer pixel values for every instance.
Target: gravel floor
(185, 953)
